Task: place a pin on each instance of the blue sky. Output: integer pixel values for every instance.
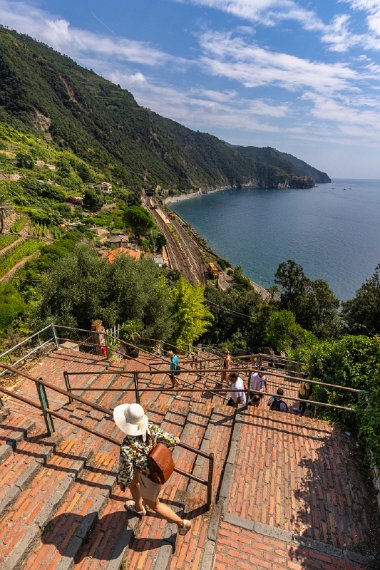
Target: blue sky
(302, 76)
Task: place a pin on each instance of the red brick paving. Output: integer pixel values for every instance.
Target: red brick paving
(247, 550)
(299, 476)
(291, 473)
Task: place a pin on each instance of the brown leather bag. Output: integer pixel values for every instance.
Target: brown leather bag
(161, 464)
(160, 461)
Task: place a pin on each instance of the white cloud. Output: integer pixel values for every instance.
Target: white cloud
(253, 66)
(336, 34)
(59, 34)
(357, 116)
(266, 12)
(204, 109)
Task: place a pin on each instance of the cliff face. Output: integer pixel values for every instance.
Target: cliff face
(49, 94)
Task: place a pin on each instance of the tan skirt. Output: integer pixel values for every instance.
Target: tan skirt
(149, 490)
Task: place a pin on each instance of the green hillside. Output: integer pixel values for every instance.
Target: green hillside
(48, 94)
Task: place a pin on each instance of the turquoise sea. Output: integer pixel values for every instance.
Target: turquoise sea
(332, 230)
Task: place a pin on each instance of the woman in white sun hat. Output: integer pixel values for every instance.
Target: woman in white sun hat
(133, 466)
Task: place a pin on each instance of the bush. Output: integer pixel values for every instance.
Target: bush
(352, 361)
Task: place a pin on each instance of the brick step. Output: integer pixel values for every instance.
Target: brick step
(34, 506)
(156, 539)
(196, 550)
(88, 381)
(4, 412)
(19, 469)
(14, 428)
(114, 532)
(76, 515)
(80, 509)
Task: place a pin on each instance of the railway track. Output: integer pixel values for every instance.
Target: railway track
(184, 254)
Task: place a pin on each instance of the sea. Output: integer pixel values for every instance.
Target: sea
(331, 230)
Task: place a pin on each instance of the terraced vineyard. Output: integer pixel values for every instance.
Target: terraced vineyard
(6, 240)
(17, 254)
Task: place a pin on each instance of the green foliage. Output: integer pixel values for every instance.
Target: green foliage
(237, 314)
(241, 281)
(352, 361)
(19, 224)
(31, 274)
(24, 160)
(138, 292)
(138, 220)
(82, 287)
(191, 316)
(313, 303)
(18, 253)
(6, 240)
(92, 200)
(46, 217)
(292, 281)
(223, 263)
(52, 192)
(362, 313)
(154, 241)
(103, 125)
(284, 333)
(11, 306)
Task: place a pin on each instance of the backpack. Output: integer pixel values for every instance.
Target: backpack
(276, 405)
(161, 464)
(160, 461)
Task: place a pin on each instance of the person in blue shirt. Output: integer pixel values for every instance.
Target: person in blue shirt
(173, 367)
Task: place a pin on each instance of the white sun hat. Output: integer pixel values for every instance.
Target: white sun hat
(131, 419)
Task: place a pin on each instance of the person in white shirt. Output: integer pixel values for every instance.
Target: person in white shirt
(238, 396)
(258, 383)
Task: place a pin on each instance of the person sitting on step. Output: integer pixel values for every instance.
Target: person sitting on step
(278, 404)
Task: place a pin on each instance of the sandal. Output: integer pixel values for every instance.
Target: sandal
(131, 506)
(183, 530)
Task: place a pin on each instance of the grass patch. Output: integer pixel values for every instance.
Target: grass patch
(6, 240)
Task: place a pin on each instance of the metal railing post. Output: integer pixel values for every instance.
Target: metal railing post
(248, 384)
(68, 385)
(210, 479)
(41, 391)
(136, 382)
(55, 337)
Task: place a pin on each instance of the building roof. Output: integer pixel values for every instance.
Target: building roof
(114, 253)
(119, 238)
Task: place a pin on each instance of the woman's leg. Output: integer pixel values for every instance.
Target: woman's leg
(166, 512)
(134, 488)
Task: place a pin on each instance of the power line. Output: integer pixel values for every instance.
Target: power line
(229, 310)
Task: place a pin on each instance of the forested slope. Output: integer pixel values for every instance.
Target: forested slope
(49, 94)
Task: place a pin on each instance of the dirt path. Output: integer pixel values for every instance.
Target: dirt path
(16, 267)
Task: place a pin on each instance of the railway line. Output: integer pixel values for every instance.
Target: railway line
(183, 252)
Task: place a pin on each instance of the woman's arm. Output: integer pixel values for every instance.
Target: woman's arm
(125, 473)
(164, 437)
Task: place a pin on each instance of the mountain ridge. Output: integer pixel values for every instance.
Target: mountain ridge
(48, 93)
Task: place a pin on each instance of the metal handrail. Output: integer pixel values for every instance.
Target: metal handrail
(217, 391)
(47, 412)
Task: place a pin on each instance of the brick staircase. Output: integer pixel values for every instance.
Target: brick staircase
(277, 482)
(60, 507)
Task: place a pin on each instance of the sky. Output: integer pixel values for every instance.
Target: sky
(302, 76)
